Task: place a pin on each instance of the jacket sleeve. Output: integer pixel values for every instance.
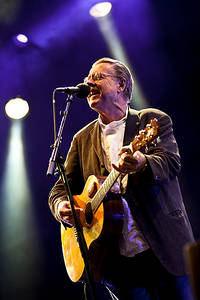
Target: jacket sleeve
(72, 169)
(163, 159)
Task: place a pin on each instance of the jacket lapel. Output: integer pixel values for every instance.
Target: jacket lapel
(132, 125)
(96, 141)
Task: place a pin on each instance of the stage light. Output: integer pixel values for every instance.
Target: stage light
(22, 38)
(17, 108)
(100, 9)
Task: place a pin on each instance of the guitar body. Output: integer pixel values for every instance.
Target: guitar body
(100, 235)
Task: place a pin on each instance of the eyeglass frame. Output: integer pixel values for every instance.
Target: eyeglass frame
(99, 76)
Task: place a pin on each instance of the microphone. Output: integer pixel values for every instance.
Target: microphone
(82, 90)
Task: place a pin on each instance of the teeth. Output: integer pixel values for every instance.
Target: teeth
(94, 93)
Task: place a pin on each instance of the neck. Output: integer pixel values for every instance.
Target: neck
(108, 119)
(112, 116)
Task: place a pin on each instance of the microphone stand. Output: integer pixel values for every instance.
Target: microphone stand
(57, 160)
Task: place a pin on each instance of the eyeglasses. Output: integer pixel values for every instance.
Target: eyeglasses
(97, 76)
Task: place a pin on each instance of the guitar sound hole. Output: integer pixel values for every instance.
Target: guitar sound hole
(88, 213)
(92, 189)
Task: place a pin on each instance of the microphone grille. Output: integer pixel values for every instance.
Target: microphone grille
(84, 90)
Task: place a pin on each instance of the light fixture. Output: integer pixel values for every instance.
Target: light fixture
(17, 108)
(21, 40)
(100, 9)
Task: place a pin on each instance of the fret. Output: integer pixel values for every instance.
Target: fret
(101, 193)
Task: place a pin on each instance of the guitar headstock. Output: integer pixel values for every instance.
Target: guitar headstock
(145, 135)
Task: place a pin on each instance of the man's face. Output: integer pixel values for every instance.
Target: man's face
(104, 88)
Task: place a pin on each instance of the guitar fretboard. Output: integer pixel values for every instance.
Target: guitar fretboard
(144, 137)
(101, 193)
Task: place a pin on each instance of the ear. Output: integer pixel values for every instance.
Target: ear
(122, 85)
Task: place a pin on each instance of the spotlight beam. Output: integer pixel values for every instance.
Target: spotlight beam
(117, 51)
(20, 255)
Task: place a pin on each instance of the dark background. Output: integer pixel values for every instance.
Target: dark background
(160, 39)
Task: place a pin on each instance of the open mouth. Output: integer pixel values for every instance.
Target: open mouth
(93, 92)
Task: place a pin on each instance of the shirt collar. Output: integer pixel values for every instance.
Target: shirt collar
(113, 124)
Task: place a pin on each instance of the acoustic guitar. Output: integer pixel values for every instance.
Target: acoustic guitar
(102, 217)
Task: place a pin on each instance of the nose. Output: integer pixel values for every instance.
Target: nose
(90, 81)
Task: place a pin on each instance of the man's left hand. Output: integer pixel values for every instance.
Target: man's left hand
(130, 162)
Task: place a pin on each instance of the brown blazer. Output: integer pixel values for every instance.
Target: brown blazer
(153, 195)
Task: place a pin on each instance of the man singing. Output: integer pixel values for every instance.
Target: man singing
(148, 260)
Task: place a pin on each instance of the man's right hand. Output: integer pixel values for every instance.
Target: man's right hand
(65, 212)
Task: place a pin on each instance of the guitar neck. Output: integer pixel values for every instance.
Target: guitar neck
(105, 187)
(144, 137)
